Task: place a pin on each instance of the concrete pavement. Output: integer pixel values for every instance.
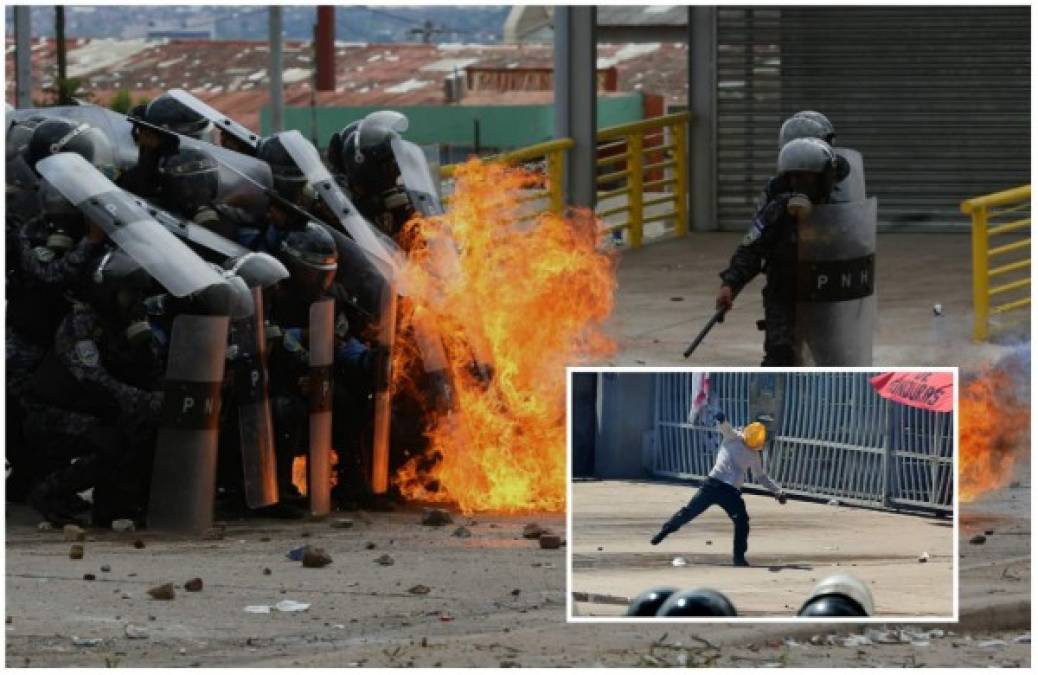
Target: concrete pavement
(666, 294)
(792, 547)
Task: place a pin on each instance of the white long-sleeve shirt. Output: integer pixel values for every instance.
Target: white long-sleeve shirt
(734, 458)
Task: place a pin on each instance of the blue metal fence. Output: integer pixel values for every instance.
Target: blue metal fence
(834, 437)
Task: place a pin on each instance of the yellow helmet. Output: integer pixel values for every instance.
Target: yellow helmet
(754, 435)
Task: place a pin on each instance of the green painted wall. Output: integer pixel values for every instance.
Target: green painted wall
(500, 126)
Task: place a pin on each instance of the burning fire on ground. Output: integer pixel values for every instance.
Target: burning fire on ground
(519, 303)
(994, 431)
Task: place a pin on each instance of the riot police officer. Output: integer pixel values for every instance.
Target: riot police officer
(168, 113)
(47, 257)
(95, 398)
(807, 171)
(189, 181)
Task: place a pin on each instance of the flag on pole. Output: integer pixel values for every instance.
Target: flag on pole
(698, 395)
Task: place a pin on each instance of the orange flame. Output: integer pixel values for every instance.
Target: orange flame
(522, 301)
(993, 432)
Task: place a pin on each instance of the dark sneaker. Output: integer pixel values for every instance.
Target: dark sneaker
(740, 562)
(660, 536)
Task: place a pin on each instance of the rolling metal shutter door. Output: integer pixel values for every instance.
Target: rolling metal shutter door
(937, 99)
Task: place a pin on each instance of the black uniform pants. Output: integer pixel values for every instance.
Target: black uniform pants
(779, 322)
(728, 498)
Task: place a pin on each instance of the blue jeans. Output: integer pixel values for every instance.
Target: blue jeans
(728, 498)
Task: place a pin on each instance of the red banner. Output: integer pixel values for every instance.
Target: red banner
(929, 391)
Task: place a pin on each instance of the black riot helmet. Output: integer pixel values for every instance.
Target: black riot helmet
(190, 179)
(649, 602)
(364, 155)
(169, 113)
(839, 595)
(697, 602)
(808, 166)
(59, 134)
(289, 181)
(312, 260)
(65, 223)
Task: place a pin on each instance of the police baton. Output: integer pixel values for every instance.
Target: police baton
(716, 318)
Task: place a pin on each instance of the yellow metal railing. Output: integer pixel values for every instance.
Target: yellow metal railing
(642, 171)
(1005, 217)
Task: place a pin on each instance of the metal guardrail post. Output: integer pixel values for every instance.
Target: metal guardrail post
(634, 182)
(556, 168)
(888, 451)
(980, 274)
(681, 179)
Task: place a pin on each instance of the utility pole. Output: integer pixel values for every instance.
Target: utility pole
(277, 94)
(23, 56)
(64, 95)
(324, 44)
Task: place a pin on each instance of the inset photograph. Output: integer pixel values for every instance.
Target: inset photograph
(763, 495)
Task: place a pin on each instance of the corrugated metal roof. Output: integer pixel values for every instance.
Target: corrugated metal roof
(232, 74)
(643, 15)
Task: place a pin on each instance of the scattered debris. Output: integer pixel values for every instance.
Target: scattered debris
(305, 534)
(550, 541)
(419, 589)
(989, 532)
(978, 539)
(44, 526)
(74, 533)
(163, 592)
(135, 632)
(857, 641)
(341, 523)
(264, 539)
(86, 642)
(370, 546)
(385, 560)
(257, 609)
(123, 525)
(296, 554)
(709, 542)
(266, 571)
(678, 562)
(445, 616)
(193, 585)
(138, 543)
(924, 557)
(1024, 639)
(991, 644)
(534, 531)
(89, 577)
(213, 534)
(462, 532)
(292, 606)
(106, 568)
(516, 591)
(938, 309)
(833, 502)
(76, 552)
(316, 557)
(1014, 485)
(436, 517)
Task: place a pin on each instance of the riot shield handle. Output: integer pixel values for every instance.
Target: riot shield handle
(716, 318)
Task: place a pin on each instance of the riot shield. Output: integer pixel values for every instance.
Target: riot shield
(836, 302)
(193, 233)
(309, 162)
(383, 394)
(184, 474)
(128, 224)
(418, 179)
(322, 355)
(219, 120)
(255, 423)
(852, 188)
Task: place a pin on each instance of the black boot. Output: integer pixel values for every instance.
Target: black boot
(660, 536)
(740, 561)
(52, 496)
